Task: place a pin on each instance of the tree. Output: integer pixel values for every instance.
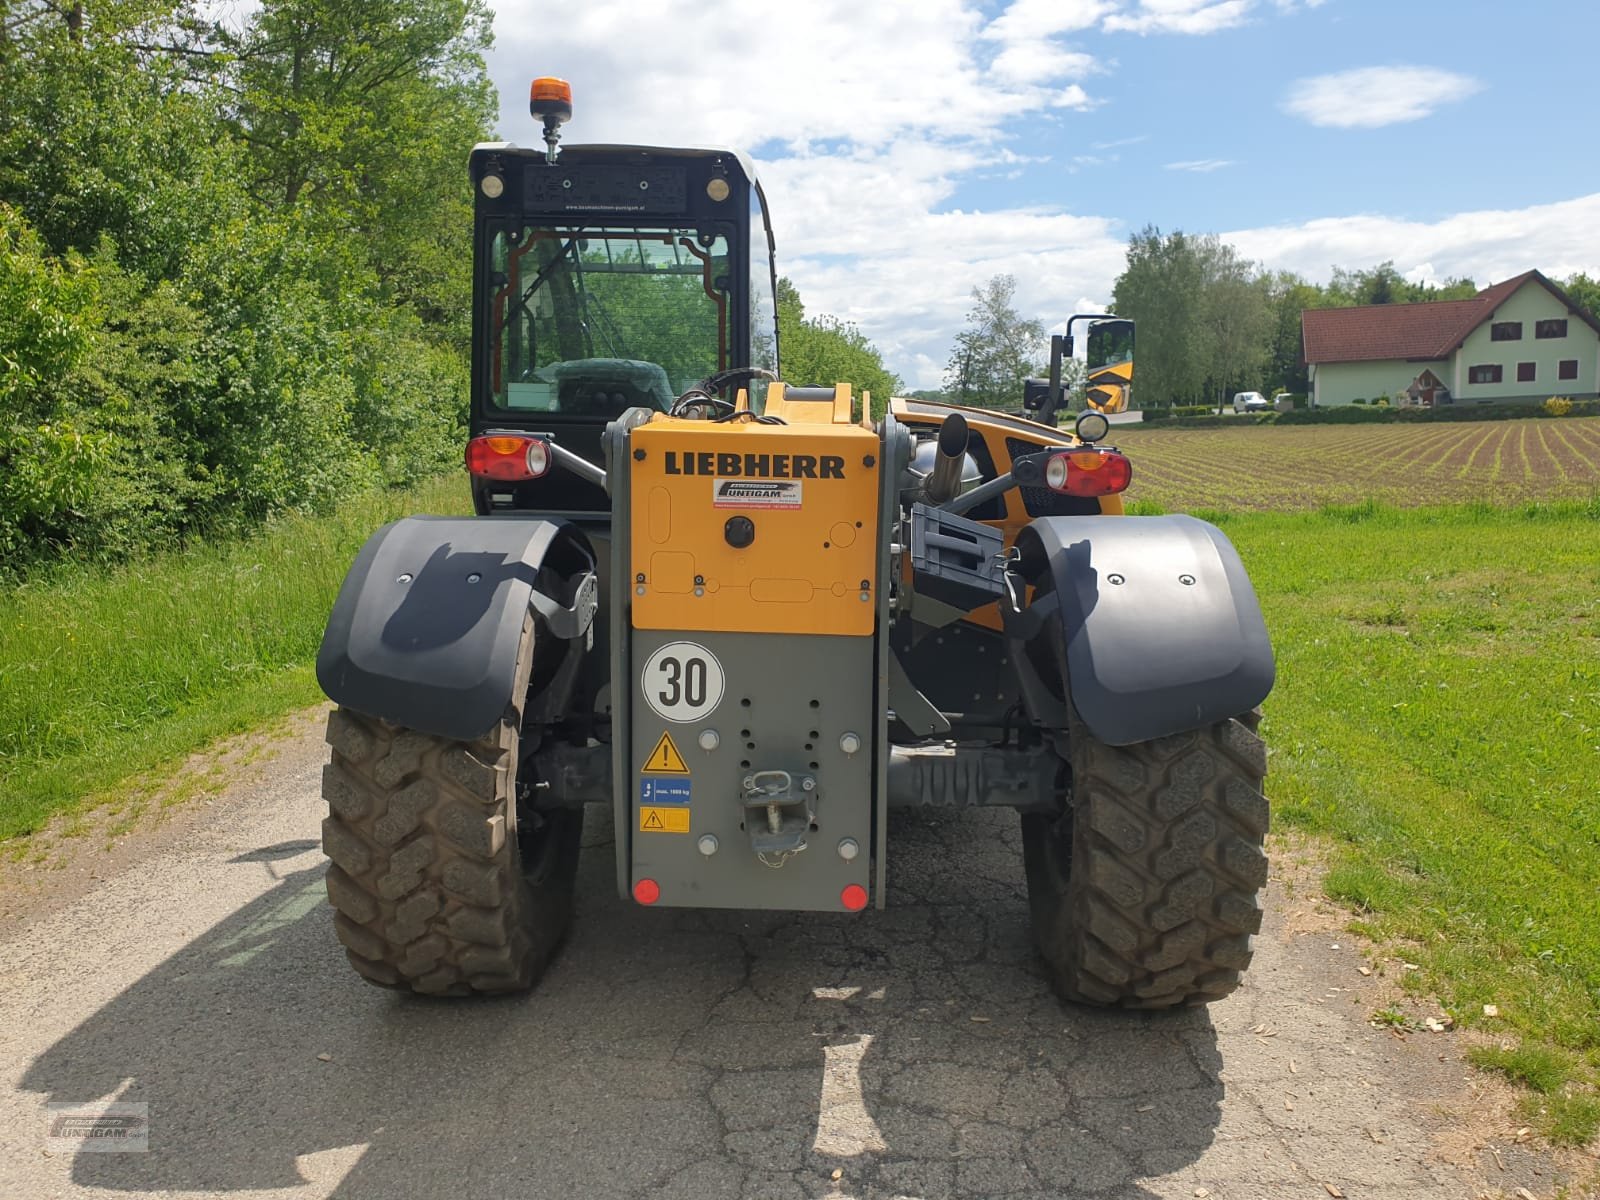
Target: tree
(358, 113)
(1235, 319)
(826, 350)
(1383, 284)
(1161, 289)
(997, 350)
(1585, 293)
(1288, 296)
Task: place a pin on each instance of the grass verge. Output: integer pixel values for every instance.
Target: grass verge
(1437, 715)
(109, 674)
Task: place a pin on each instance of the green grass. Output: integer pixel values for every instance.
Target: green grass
(1437, 715)
(108, 674)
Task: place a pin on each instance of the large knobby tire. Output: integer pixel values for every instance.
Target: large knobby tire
(436, 888)
(1144, 890)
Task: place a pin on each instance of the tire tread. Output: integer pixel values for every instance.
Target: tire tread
(1144, 893)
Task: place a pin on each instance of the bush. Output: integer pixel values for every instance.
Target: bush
(1359, 400)
(1194, 410)
(1557, 406)
(1340, 415)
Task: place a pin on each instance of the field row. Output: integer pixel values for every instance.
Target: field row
(1301, 466)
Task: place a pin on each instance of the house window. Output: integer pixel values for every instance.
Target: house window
(1485, 374)
(1567, 369)
(1550, 329)
(1527, 372)
(1505, 331)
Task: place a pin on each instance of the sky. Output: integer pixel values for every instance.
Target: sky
(912, 149)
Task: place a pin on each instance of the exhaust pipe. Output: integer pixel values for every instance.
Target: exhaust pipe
(944, 481)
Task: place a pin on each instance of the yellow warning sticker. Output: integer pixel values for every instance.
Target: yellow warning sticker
(664, 759)
(663, 820)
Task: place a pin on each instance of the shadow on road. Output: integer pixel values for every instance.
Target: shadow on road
(917, 1049)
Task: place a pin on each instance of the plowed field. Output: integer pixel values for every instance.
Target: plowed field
(1308, 466)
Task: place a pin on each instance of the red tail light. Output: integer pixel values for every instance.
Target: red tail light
(1088, 472)
(508, 457)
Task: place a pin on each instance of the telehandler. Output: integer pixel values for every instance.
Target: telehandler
(751, 619)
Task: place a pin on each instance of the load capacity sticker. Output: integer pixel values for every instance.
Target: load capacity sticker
(665, 791)
(682, 682)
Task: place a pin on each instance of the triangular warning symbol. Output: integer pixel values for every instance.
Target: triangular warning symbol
(665, 759)
(653, 821)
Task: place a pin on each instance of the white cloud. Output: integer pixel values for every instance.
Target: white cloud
(1202, 166)
(1181, 16)
(1028, 62)
(1370, 97)
(1031, 20)
(1488, 245)
(904, 271)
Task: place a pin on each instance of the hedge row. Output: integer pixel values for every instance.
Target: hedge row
(1351, 415)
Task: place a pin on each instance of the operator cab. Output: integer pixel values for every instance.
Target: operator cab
(607, 278)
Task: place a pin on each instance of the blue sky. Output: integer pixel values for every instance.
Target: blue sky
(912, 149)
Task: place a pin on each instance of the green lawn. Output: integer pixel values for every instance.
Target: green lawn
(1437, 714)
(105, 675)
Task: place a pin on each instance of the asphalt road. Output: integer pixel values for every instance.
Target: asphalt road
(915, 1051)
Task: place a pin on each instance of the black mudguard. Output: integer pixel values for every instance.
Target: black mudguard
(426, 628)
(1151, 620)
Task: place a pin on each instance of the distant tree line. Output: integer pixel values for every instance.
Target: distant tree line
(233, 261)
(1211, 323)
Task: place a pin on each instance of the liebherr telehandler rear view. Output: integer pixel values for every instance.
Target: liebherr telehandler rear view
(751, 619)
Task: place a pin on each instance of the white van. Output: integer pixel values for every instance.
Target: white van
(1244, 402)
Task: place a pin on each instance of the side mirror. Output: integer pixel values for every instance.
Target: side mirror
(1110, 346)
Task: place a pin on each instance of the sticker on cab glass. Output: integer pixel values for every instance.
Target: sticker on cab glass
(663, 820)
(682, 682)
(664, 791)
(665, 759)
(756, 493)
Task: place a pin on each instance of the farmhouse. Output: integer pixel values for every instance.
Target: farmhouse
(1520, 341)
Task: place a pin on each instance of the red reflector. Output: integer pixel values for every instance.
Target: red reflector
(854, 897)
(508, 457)
(647, 891)
(1088, 473)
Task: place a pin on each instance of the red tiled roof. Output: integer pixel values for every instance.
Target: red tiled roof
(1413, 331)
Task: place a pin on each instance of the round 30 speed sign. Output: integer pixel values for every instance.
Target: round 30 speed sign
(683, 682)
